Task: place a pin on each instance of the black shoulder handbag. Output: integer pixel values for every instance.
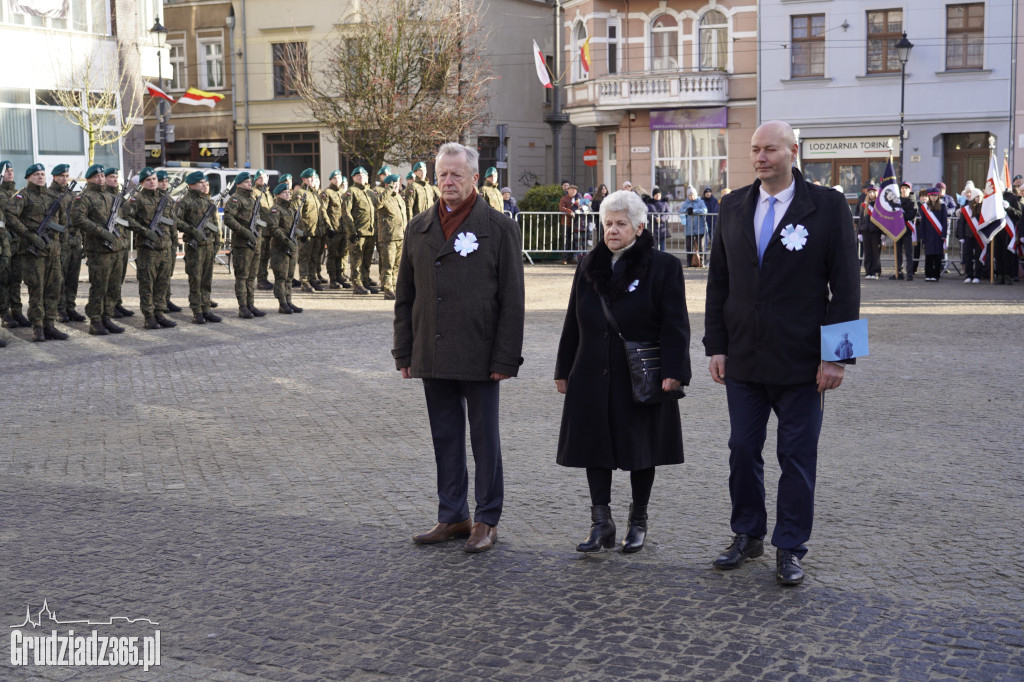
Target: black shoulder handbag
(644, 360)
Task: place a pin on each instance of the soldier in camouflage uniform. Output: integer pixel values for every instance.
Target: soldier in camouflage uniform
(7, 190)
(90, 212)
(490, 192)
(420, 194)
(363, 238)
(24, 213)
(11, 303)
(200, 242)
(152, 249)
(391, 233)
(110, 179)
(310, 222)
(339, 221)
(70, 249)
(283, 251)
(238, 213)
(266, 198)
(163, 186)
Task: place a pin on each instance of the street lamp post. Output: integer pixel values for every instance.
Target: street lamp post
(903, 53)
(159, 31)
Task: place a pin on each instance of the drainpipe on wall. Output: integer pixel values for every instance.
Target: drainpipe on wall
(245, 76)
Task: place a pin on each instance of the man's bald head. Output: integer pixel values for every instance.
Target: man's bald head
(773, 150)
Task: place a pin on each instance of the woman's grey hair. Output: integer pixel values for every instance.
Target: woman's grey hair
(454, 149)
(623, 200)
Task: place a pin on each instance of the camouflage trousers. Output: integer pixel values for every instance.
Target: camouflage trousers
(283, 265)
(14, 281)
(390, 253)
(125, 257)
(244, 261)
(307, 253)
(173, 250)
(317, 251)
(261, 271)
(199, 268)
(42, 277)
(337, 256)
(104, 283)
(360, 257)
(5, 272)
(71, 270)
(153, 268)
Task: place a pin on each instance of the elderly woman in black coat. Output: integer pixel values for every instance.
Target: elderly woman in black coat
(602, 428)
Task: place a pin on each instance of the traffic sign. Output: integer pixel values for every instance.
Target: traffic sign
(590, 156)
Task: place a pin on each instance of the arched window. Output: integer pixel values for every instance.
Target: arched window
(714, 41)
(664, 43)
(579, 36)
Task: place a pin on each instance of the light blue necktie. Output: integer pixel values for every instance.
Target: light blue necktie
(767, 227)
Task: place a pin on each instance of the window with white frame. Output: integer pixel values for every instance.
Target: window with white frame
(179, 75)
(613, 45)
(714, 41)
(579, 37)
(611, 163)
(664, 43)
(689, 158)
(86, 16)
(211, 64)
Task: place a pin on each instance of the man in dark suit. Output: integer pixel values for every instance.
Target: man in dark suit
(459, 314)
(783, 263)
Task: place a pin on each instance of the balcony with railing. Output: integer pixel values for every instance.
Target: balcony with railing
(585, 101)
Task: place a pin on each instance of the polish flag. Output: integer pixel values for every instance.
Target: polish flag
(542, 67)
(157, 92)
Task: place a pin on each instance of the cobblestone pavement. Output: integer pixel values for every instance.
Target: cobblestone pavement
(252, 487)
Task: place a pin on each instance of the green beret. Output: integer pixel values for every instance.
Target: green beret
(145, 173)
(308, 173)
(409, 176)
(4, 165)
(60, 169)
(287, 177)
(93, 170)
(161, 175)
(261, 173)
(491, 171)
(359, 171)
(193, 177)
(34, 168)
(391, 178)
(281, 187)
(384, 170)
(335, 174)
(111, 171)
(242, 177)
(418, 165)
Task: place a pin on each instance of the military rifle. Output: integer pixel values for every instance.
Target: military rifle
(114, 220)
(295, 231)
(210, 210)
(158, 215)
(255, 223)
(47, 224)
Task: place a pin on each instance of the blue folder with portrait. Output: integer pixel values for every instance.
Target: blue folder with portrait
(844, 341)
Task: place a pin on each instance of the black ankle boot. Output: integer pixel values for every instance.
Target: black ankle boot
(637, 533)
(602, 530)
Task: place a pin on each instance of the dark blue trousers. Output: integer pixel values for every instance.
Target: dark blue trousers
(448, 404)
(798, 409)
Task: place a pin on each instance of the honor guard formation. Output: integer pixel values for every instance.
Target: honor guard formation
(289, 230)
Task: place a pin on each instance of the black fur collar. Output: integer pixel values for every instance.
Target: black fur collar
(597, 267)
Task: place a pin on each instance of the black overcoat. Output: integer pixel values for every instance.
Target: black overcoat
(601, 426)
(768, 320)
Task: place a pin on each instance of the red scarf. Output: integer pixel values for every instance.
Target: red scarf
(451, 220)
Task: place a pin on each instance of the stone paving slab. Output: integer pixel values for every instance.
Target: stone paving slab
(252, 486)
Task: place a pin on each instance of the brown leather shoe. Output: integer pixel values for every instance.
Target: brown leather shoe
(443, 532)
(482, 538)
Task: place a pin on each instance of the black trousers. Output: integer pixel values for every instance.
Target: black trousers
(873, 253)
(449, 402)
(798, 409)
(905, 249)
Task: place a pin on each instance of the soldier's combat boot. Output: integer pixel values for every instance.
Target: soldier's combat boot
(76, 316)
(389, 295)
(54, 334)
(334, 284)
(307, 287)
(244, 312)
(372, 282)
(164, 321)
(264, 285)
(3, 342)
(359, 291)
(213, 304)
(255, 311)
(173, 307)
(38, 334)
(197, 318)
(10, 322)
(374, 289)
(211, 317)
(121, 311)
(63, 318)
(96, 328)
(284, 309)
(151, 323)
(20, 319)
(111, 326)
(316, 286)
(295, 308)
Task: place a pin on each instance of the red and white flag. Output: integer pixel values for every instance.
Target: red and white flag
(993, 213)
(196, 97)
(542, 67)
(157, 92)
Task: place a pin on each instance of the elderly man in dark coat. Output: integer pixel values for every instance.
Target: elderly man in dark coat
(459, 314)
(783, 263)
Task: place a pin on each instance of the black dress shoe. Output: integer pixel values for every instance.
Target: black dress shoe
(173, 307)
(743, 547)
(53, 334)
(602, 530)
(110, 326)
(787, 568)
(256, 311)
(76, 316)
(164, 321)
(210, 317)
(21, 319)
(122, 311)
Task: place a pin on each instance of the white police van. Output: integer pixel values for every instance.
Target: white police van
(218, 177)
